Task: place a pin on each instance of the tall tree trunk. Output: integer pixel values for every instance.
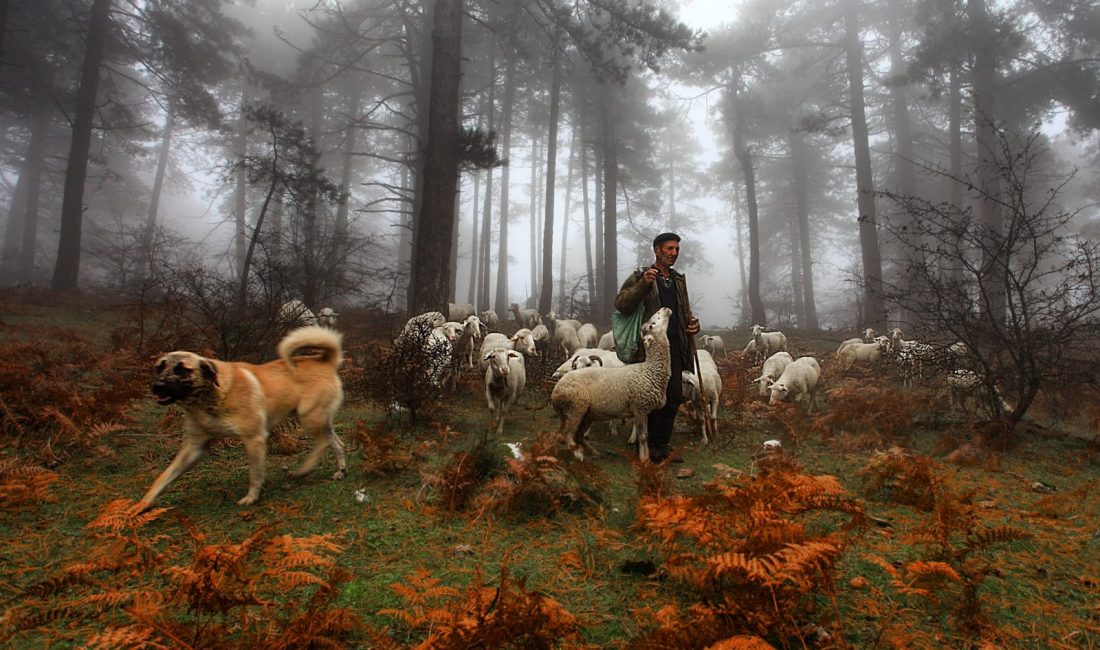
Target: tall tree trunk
(475, 242)
(589, 270)
(994, 292)
(420, 70)
(67, 268)
(487, 206)
(905, 175)
(500, 301)
(744, 158)
(13, 230)
(610, 142)
(546, 293)
(802, 209)
(272, 191)
(431, 259)
(533, 210)
(874, 311)
(601, 302)
(240, 191)
(36, 160)
(740, 253)
(672, 225)
(348, 162)
(795, 255)
(145, 254)
(404, 239)
(565, 224)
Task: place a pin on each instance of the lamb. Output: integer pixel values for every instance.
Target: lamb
(586, 357)
(768, 343)
(459, 311)
(798, 381)
(471, 332)
(589, 336)
(703, 391)
(525, 317)
(521, 342)
(490, 319)
(868, 337)
(607, 341)
(294, 313)
(327, 317)
(541, 336)
(853, 353)
(505, 378)
(590, 394)
(568, 338)
(715, 345)
(773, 368)
(422, 323)
(750, 348)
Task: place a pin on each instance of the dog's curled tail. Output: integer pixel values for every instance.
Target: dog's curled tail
(313, 336)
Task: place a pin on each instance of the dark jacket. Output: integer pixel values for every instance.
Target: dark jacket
(635, 290)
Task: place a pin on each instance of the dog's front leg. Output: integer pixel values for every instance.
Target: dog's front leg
(255, 448)
(189, 454)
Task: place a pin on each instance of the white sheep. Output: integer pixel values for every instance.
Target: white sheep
(607, 341)
(327, 317)
(798, 381)
(854, 353)
(715, 345)
(750, 348)
(505, 377)
(295, 312)
(568, 338)
(460, 311)
(586, 357)
(422, 322)
(868, 337)
(702, 392)
(768, 343)
(912, 356)
(591, 394)
(525, 317)
(589, 336)
(521, 342)
(490, 319)
(772, 369)
(541, 335)
(471, 333)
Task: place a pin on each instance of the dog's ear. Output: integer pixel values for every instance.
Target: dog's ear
(209, 371)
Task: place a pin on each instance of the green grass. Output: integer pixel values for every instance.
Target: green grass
(1044, 593)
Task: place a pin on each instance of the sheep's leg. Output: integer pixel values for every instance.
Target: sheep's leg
(571, 422)
(641, 428)
(500, 421)
(589, 450)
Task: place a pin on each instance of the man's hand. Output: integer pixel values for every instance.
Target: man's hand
(693, 326)
(650, 275)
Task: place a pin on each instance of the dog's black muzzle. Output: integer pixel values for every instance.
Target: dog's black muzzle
(167, 392)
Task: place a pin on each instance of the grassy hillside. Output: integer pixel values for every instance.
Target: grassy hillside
(866, 532)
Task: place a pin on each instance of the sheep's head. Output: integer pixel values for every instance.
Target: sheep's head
(764, 382)
(658, 323)
(756, 330)
(780, 393)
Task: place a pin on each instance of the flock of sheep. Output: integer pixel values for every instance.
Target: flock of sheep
(593, 384)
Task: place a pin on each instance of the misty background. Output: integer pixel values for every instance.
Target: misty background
(401, 155)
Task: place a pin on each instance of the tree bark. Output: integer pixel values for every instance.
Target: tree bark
(563, 248)
(589, 270)
(802, 209)
(874, 310)
(145, 259)
(744, 157)
(67, 268)
(431, 259)
(501, 301)
(546, 293)
(610, 145)
(533, 210)
(994, 292)
(13, 230)
(36, 159)
(420, 71)
(487, 209)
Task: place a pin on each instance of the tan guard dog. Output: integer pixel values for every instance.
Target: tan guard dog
(233, 398)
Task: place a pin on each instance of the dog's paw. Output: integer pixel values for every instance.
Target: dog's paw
(340, 474)
(248, 500)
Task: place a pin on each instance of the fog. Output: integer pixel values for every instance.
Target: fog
(685, 102)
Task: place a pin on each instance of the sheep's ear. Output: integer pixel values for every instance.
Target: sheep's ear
(647, 340)
(512, 354)
(488, 356)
